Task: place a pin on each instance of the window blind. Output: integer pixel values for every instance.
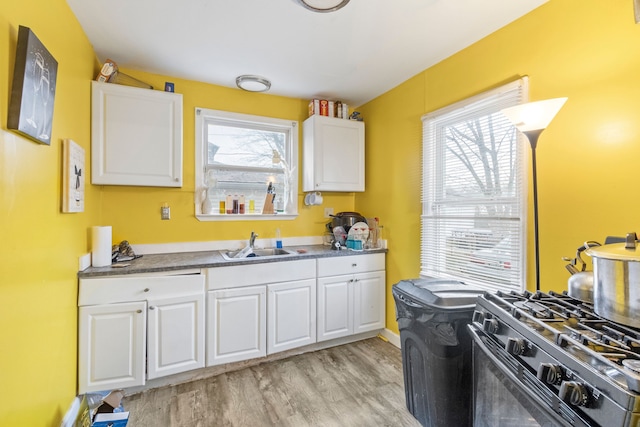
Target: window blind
(474, 191)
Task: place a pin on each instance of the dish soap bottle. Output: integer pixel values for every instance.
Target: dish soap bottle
(278, 239)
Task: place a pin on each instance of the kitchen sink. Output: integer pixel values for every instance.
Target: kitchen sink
(262, 253)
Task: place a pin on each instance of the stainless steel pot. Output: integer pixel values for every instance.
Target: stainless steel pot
(616, 281)
(346, 220)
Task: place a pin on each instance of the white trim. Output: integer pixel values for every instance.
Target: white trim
(291, 126)
(392, 337)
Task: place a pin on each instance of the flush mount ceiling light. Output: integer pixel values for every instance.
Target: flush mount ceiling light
(323, 5)
(253, 83)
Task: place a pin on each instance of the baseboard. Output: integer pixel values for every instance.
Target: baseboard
(391, 337)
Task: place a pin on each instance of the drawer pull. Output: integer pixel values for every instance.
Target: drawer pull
(146, 289)
(354, 265)
(151, 307)
(138, 311)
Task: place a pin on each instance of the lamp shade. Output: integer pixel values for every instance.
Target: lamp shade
(534, 115)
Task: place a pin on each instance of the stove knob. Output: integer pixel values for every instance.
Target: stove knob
(491, 326)
(516, 346)
(574, 393)
(549, 373)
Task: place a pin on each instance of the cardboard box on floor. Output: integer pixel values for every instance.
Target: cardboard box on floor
(97, 410)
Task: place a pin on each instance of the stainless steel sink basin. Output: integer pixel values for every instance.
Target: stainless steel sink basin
(262, 253)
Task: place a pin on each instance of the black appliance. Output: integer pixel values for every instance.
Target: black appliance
(433, 315)
(546, 359)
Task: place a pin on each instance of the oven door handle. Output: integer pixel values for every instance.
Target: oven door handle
(478, 335)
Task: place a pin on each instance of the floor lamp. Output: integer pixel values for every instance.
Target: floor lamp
(531, 119)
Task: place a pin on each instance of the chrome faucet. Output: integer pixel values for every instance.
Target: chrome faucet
(252, 239)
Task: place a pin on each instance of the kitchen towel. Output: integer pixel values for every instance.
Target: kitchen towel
(101, 246)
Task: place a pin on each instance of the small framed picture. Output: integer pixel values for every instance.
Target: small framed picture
(34, 88)
(73, 174)
(168, 87)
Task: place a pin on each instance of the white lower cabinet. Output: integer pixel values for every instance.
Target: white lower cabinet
(258, 309)
(111, 348)
(236, 326)
(134, 328)
(351, 295)
(291, 315)
(175, 335)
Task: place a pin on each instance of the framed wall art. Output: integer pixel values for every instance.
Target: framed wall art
(34, 88)
(73, 174)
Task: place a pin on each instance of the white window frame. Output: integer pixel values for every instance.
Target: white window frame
(246, 120)
(442, 253)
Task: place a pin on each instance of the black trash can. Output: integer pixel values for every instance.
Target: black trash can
(432, 315)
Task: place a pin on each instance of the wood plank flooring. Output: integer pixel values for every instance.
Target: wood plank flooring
(357, 384)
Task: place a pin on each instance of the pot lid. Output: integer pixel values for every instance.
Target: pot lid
(615, 251)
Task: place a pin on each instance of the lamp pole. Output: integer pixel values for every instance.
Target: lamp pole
(532, 136)
(531, 119)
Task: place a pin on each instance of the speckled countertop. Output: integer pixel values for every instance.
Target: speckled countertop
(192, 260)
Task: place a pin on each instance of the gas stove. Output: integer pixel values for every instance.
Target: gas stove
(577, 366)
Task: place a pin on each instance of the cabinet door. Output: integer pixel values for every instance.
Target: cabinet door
(369, 301)
(333, 154)
(335, 300)
(136, 136)
(175, 335)
(236, 324)
(111, 346)
(291, 318)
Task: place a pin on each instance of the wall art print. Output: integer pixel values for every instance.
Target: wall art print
(34, 88)
(73, 174)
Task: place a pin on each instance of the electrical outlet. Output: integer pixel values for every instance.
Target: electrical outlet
(328, 212)
(165, 212)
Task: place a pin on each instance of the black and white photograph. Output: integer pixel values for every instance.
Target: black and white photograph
(34, 88)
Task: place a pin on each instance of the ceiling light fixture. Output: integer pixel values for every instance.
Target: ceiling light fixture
(323, 5)
(253, 83)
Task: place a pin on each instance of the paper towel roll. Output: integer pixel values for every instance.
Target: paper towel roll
(101, 246)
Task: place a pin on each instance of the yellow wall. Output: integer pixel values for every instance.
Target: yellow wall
(587, 158)
(583, 50)
(134, 212)
(39, 245)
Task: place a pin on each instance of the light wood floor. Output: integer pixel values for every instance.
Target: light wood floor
(357, 384)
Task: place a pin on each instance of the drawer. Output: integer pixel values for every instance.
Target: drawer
(235, 276)
(110, 290)
(336, 266)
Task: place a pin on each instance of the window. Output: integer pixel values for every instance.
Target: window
(473, 193)
(238, 156)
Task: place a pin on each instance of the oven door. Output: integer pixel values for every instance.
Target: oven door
(499, 398)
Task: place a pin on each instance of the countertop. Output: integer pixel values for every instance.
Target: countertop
(193, 260)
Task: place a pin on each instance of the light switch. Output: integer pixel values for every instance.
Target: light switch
(165, 212)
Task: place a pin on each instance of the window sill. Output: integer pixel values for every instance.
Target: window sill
(246, 217)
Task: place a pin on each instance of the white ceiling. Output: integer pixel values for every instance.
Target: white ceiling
(354, 54)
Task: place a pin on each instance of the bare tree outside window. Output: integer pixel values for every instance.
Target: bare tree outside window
(472, 212)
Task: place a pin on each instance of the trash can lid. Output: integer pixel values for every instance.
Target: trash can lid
(441, 294)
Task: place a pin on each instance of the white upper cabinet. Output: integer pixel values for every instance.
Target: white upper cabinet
(333, 154)
(136, 136)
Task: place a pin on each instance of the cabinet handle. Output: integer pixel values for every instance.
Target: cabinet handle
(146, 289)
(354, 265)
(151, 307)
(176, 179)
(138, 311)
